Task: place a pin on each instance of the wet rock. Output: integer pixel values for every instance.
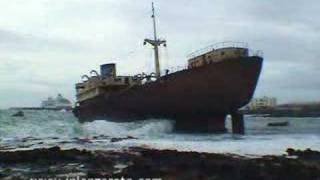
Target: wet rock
(55, 162)
(100, 137)
(83, 140)
(18, 114)
(166, 164)
(307, 154)
(65, 142)
(53, 154)
(122, 139)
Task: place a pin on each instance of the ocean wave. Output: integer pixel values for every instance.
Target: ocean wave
(49, 128)
(140, 128)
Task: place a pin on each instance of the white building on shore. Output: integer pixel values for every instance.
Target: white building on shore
(262, 103)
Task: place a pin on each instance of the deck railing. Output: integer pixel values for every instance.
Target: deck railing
(226, 44)
(174, 69)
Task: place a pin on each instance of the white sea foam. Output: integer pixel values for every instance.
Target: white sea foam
(142, 128)
(38, 129)
(274, 145)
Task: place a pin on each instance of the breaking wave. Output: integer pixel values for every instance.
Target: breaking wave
(142, 128)
(44, 124)
(39, 124)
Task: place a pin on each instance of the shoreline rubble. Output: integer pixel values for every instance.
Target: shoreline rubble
(140, 162)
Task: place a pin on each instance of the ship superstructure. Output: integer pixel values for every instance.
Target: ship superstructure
(104, 83)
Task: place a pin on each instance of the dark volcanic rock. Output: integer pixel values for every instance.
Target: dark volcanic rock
(307, 154)
(165, 164)
(190, 165)
(53, 162)
(54, 154)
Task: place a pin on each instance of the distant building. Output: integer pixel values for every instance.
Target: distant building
(57, 103)
(262, 103)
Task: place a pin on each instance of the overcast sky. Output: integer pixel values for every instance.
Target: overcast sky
(46, 45)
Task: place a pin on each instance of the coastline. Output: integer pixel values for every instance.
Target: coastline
(139, 162)
(283, 113)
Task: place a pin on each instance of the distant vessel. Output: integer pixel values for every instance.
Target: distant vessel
(286, 123)
(218, 81)
(57, 103)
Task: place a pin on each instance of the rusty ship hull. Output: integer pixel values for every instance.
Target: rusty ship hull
(197, 98)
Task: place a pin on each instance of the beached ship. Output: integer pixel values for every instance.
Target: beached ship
(218, 81)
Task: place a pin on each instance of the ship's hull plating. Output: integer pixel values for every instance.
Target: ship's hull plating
(210, 91)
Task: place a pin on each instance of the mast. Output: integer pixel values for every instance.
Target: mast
(155, 43)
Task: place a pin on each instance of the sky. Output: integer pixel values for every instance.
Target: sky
(47, 45)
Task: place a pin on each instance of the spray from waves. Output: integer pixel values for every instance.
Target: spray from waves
(46, 124)
(39, 124)
(137, 129)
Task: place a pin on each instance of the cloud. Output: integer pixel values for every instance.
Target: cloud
(29, 43)
(45, 46)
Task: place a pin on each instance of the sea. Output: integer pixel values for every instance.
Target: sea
(44, 129)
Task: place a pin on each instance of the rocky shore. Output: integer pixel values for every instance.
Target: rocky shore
(138, 163)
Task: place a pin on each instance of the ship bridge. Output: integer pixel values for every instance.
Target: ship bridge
(104, 83)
